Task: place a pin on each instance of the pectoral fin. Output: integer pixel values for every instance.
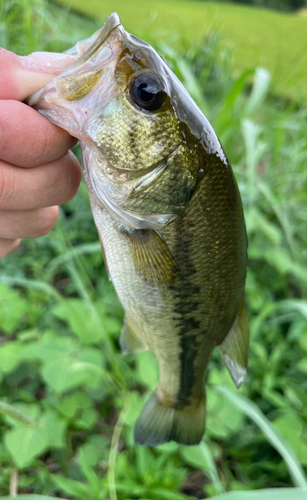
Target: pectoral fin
(234, 348)
(151, 256)
(129, 339)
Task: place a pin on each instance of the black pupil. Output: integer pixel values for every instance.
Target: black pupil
(143, 94)
(147, 92)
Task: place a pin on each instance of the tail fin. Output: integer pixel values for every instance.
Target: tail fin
(159, 424)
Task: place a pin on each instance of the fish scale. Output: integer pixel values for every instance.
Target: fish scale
(169, 217)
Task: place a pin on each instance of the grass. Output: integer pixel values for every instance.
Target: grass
(259, 37)
(69, 398)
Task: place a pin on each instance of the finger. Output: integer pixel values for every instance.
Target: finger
(51, 184)
(21, 76)
(27, 223)
(27, 139)
(8, 246)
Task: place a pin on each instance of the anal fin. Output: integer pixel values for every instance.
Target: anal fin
(129, 339)
(234, 348)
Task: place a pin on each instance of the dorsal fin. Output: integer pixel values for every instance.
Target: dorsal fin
(234, 348)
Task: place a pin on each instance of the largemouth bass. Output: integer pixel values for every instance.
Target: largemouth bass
(169, 217)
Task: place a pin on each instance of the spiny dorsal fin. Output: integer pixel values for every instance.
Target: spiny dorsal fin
(234, 348)
(129, 339)
(151, 256)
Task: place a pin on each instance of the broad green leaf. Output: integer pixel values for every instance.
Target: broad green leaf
(12, 309)
(10, 356)
(67, 365)
(25, 443)
(95, 450)
(50, 347)
(82, 319)
(55, 428)
(87, 419)
(170, 447)
(66, 373)
(71, 404)
(302, 365)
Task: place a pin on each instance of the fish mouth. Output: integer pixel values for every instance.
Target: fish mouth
(87, 83)
(92, 44)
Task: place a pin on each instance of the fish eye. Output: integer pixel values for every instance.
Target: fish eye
(147, 92)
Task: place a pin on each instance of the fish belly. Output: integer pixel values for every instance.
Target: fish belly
(150, 308)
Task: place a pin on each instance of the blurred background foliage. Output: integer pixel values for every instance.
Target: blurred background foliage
(69, 398)
(284, 5)
(257, 36)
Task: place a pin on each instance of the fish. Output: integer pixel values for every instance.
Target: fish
(169, 218)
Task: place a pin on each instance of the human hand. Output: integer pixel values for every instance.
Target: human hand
(37, 170)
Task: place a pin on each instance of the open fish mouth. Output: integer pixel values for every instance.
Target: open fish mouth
(94, 42)
(62, 101)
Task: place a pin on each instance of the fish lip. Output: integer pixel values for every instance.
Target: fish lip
(111, 24)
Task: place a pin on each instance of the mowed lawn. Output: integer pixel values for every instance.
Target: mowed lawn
(259, 37)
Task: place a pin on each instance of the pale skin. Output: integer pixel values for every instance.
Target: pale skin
(37, 170)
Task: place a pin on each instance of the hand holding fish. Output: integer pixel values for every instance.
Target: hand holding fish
(37, 172)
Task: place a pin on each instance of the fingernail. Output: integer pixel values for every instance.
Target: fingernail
(47, 62)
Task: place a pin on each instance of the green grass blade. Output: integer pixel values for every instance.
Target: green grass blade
(86, 248)
(29, 497)
(272, 434)
(34, 284)
(271, 494)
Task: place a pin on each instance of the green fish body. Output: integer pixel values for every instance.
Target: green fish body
(169, 217)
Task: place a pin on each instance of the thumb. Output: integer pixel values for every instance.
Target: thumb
(21, 76)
